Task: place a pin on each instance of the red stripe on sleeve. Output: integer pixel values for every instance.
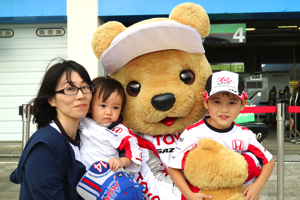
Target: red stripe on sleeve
(253, 170)
(242, 127)
(143, 143)
(184, 157)
(125, 145)
(195, 125)
(257, 152)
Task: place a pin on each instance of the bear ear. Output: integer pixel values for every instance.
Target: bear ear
(193, 15)
(209, 144)
(104, 35)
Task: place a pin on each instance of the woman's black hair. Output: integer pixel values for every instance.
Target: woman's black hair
(105, 86)
(42, 111)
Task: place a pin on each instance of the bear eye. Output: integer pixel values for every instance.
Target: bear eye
(187, 76)
(133, 88)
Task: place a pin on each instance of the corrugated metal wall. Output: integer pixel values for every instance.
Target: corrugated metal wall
(23, 60)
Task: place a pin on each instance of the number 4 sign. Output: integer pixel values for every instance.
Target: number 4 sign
(227, 33)
(238, 35)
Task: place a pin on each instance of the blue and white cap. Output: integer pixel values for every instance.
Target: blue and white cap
(100, 183)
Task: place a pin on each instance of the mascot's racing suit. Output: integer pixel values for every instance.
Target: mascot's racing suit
(156, 152)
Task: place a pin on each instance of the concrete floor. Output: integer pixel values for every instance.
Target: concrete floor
(270, 143)
(8, 190)
(10, 152)
(291, 167)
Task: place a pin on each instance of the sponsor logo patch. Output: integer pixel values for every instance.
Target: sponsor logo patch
(167, 150)
(237, 144)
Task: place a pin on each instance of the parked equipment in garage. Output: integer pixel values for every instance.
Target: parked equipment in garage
(258, 128)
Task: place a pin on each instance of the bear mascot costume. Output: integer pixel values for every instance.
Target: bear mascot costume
(163, 68)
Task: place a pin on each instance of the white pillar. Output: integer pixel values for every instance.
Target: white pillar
(82, 18)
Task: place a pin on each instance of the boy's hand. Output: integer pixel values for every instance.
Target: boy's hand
(197, 196)
(252, 191)
(115, 164)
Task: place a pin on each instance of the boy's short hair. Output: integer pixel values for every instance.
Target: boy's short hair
(225, 81)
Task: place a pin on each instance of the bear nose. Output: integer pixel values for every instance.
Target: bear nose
(163, 102)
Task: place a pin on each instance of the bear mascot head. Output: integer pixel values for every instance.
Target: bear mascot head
(162, 66)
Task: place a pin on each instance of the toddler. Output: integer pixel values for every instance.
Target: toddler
(103, 134)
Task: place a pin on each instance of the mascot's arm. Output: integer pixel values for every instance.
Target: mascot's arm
(153, 175)
(152, 160)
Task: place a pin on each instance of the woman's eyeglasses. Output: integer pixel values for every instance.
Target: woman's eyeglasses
(74, 90)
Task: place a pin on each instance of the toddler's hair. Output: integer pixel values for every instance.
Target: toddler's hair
(105, 86)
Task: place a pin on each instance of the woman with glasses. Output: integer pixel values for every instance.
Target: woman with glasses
(50, 165)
